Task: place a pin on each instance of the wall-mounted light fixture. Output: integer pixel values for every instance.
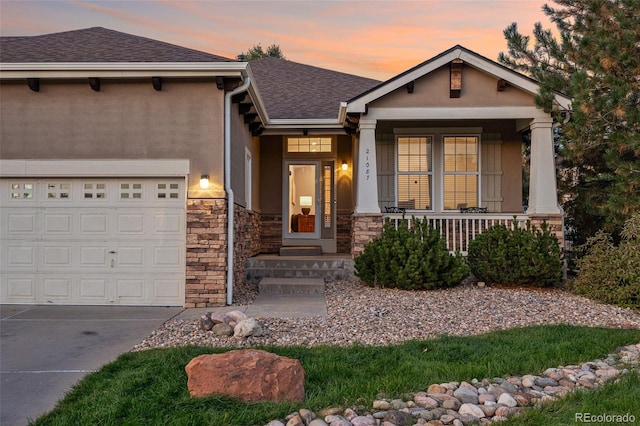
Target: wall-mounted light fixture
(345, 166)
(306, 201)
(204, 181)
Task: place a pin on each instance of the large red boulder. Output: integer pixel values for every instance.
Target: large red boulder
(247, 374)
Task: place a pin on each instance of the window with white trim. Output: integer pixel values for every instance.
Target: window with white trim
(415, 172)
(22, 191)
(461, 172)
(309, 144)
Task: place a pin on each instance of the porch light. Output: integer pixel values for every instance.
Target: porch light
(306, 201)
(204, 181)
(345, 166)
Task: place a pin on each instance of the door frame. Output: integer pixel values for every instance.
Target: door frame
(320, 237)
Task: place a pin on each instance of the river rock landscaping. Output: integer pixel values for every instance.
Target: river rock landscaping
(358, 314)
(483, 401)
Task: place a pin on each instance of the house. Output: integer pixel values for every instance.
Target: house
(134, 171)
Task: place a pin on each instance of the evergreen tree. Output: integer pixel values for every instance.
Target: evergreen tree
(256, 52)
(595, 59)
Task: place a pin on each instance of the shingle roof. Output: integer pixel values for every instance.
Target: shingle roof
(291, 90)
(96, 45)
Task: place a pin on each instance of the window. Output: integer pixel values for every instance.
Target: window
(461, 172)
(309, 144)
(415, 172)
(131, 190)
(22, 191)
(96, 190)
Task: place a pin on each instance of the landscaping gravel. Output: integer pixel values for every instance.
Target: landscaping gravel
(375, 316)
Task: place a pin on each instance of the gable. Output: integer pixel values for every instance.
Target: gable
(435, 65)
(433, 90)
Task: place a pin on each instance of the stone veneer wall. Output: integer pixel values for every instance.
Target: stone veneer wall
(343, 233)
(206, 253)
(206, 278)
(247, 240)
(554, 222)
(271, 233)
(364, 228)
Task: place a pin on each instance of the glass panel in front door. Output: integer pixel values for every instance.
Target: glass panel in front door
(302, 198)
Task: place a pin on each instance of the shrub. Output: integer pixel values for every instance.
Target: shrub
(528, 256)
(610, 273)
(410, 258)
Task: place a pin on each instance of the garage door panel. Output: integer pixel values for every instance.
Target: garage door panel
(56, 223)
(19, 288)
(94, 289)
(57, 288)
(20, 224)
(94, 256)
(169, 223)
(167, 288)
(19, 255)
(93, 223)
(130, 289)
(95, 241)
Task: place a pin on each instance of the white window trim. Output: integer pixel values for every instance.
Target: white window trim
(442, 173)
(248, 176)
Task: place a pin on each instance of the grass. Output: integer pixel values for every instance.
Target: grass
(150, 387)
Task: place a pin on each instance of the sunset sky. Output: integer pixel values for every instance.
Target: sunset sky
(376, 39)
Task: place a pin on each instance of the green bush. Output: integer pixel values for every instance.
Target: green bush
(413, 258)
(528, 256)
(610, 273)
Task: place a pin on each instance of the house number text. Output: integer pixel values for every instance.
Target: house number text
(367, 170)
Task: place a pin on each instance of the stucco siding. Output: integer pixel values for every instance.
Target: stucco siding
(478, 90)
(124, 120)
(241, 141)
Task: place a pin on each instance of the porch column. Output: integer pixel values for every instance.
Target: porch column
(543, 194)
(367, 183)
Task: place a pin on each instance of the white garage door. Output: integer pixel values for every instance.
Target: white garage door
(93, 241)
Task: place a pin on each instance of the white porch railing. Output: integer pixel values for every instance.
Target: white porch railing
(458, 229)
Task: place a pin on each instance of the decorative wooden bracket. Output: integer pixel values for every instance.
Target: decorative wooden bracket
(34, 84)
(410, 86)
(94, 82)
(455, 78)
(157, 83)
(502, 84)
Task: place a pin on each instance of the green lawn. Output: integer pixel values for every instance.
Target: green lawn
(150, 388)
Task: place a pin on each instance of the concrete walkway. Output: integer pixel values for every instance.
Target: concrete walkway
(45, 350)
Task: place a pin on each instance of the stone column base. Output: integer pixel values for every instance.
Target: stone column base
(364, 228)
(555, 223)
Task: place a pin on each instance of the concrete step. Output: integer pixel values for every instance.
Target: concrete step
(301, 251)
(299, 286)
(328, 268)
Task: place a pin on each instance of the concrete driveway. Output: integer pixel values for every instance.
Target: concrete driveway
(45, 350)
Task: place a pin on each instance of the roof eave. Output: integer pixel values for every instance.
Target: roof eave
(120, 69)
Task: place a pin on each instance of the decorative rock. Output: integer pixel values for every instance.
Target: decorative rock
(306, 415)
(466, 395)
(507, 400)
(363, 421)
(206, 323)
(222, 329)
(216, 317)
(249, 375)
(247, 327)
(436, 389)
(318, 422)
(275, 423)
(528, 381)
(398, 418)
(381, 404)
(235, 316)
(472, 409)
(295, 421)
(451, 404)
(425, 401)
(483, 398)
(468, 419)
(398, 404)
(447, 419)
(330, 411)
(546, 381)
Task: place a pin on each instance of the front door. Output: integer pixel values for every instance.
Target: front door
(309, 204)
